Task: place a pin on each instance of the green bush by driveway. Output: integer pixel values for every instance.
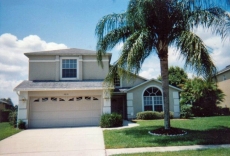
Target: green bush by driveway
(200, 131)
(7, 130)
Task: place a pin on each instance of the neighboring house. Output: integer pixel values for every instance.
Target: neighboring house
(65, 88)
(223, 81)
(5, 105)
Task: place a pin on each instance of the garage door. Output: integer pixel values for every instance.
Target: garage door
(64, 111)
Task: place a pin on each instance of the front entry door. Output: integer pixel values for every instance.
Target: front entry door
(118, 105)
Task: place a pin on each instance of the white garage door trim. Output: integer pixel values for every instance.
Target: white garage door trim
(64, 111)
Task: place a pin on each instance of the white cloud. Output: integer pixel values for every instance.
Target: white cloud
(13, 62)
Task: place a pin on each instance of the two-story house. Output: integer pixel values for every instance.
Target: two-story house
(223, 82)
(65, 88)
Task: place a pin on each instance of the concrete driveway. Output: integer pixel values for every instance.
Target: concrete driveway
(57, 141)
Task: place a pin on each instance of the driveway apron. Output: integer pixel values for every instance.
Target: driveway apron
(85, 141)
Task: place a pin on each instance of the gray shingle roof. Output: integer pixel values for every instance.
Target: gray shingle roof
(71, 51)
(224, 70)
(2, 101)
(52, 85)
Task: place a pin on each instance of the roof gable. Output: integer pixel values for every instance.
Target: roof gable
(227, 68)
(178, 89)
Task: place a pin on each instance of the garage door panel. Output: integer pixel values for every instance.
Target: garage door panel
(44, 115)
(95, 114)
(83, 111)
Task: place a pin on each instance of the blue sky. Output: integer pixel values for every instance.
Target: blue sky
(37, 25)
(70, 22)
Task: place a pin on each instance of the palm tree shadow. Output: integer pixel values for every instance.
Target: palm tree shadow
(217, 135)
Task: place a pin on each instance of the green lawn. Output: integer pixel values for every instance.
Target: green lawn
(6, 130)
(201, 131)
(207, 152)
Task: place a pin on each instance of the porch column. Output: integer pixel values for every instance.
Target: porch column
(176, 103)
(130, 111)
(107, 102)
(23, 106)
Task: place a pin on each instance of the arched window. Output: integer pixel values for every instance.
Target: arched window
(153, 99)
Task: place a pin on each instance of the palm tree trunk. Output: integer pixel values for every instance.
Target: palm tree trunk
(163, 55)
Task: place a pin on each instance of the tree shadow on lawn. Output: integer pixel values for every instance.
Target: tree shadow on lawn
(217, 135)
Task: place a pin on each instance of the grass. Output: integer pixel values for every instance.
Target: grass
(206, 152)
(200, 131)
(6, 130)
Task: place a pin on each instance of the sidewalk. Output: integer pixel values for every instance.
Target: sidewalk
(162, 149)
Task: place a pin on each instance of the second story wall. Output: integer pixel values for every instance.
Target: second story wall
(92, 70)
(57, 65)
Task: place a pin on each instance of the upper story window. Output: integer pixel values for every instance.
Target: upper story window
(117, 81)
(69, 68)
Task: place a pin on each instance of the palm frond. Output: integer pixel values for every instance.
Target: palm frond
(196, 55)
(214, 18)
(110, 40)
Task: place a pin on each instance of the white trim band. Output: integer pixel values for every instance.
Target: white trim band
(58, 60)
(43, 60)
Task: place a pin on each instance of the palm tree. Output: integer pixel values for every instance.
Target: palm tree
(152, 26)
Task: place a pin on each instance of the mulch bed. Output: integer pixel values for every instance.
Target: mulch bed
(168, 132)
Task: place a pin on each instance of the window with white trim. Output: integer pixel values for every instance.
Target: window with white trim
(117, 81)
(69, 68)
(153, 99)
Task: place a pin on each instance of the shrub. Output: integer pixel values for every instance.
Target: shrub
(13, 118)
(21, 124)
(186, 112)
(111, 120)
(151, 115)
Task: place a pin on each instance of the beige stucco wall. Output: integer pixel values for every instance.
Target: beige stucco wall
(42, 71)
(91, 70)
(137, 95)
(225, 87)
(133, 82)
(48, 67)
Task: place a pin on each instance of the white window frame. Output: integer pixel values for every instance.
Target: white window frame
(73, 58)
(153, 102)
(120, 83)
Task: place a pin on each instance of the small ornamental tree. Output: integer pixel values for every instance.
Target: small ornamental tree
(177, 76)
(202, 95)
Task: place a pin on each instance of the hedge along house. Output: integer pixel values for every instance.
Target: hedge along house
(65, 89)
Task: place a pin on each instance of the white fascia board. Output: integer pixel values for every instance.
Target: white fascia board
(43, 60)
(223, 71)
(68, 57)
(59, 89)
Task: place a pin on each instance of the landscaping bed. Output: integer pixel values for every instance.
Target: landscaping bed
(200, 131)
